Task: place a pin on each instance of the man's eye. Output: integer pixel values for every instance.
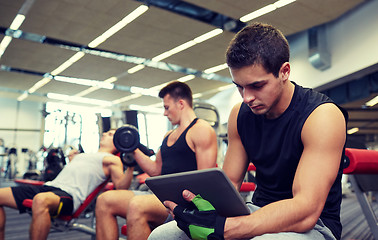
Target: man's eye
(258, 86)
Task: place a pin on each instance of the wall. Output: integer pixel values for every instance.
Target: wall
(352, 42)
(26, 116)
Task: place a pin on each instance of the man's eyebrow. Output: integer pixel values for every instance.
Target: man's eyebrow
(254, 84)
(236, 84)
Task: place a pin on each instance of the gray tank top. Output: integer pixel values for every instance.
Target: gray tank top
(81, 176)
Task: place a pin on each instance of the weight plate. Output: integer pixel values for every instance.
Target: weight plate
(126, 138)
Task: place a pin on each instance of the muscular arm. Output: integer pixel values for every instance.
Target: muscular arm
(204, 140)
(236, 160)
(113, 168)
(323, 137)
(152, 168)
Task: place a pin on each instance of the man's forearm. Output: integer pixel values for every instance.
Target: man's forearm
(282, 216)
(125, 181)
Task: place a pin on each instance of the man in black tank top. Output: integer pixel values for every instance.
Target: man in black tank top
(191, 145)
(294, 136)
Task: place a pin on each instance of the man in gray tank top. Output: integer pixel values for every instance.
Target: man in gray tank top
(191, 145)
(68, 190)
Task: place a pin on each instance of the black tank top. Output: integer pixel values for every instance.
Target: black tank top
(179, 157)
(275, 148)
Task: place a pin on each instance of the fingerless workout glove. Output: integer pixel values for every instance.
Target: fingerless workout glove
(204, 223)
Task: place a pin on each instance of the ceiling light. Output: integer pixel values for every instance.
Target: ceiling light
(372, 102)
(79, 109)
(212, 91)
(18, 20)
(186, 78)
(353, 130)
(86, 91)
(225, 87)
(182, 79)
(135, 69)
(264, 10)
(173, 51)
(39, 84)
(118, 26)
(148, 109)
(22, 96)
(92, 89)
(282, 3)
(187, 45)
(16, 23)
(165, 55)
(208, 35)
(197, 95)
(160, 86)
(4, 44)
(68, 63)
(69, 98)
(156, 105)
(127, 98)
(144, 91)
(86, 82)
(111, 79)
(216, 68)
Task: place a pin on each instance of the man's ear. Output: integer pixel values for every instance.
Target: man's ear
(285, 71)
(181, 103)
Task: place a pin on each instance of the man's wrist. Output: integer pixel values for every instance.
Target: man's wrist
(226, 229)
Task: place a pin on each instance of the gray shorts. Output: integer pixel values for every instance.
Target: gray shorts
(170, 231)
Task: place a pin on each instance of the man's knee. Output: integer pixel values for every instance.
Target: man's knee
(136, 208)
(43, 202)
(109, 203)
(103, 203)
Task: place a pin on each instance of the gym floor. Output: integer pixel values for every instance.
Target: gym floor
(352, 218)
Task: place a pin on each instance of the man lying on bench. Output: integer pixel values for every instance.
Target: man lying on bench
(68, 190)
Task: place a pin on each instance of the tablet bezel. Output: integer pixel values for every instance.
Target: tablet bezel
(212, 184)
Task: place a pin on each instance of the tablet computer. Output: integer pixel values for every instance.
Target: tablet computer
(212, 184)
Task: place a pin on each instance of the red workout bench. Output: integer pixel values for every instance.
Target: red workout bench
(69, 222)
(362, 170)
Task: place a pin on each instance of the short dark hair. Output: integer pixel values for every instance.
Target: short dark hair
(258, 43)
(177, 90)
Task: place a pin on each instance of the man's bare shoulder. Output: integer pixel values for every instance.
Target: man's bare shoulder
(201, 125)
(201, 131)
(111, 159)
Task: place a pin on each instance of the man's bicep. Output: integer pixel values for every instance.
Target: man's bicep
(206, 148)
(236, 160)
(323, 138)
(113, 168)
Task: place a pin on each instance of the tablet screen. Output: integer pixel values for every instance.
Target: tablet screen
(212, 184)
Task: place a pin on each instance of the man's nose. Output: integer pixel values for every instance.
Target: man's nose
(248, 96)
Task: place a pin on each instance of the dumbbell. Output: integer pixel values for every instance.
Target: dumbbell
(126, 139)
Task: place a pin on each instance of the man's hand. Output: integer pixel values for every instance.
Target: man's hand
(201, 222)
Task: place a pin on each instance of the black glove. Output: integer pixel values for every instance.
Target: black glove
(128, 159)
(201, 223)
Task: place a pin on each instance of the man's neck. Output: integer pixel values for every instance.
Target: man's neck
(187, 118)
(284, 102)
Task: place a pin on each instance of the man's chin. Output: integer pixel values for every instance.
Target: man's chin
(258, 110)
